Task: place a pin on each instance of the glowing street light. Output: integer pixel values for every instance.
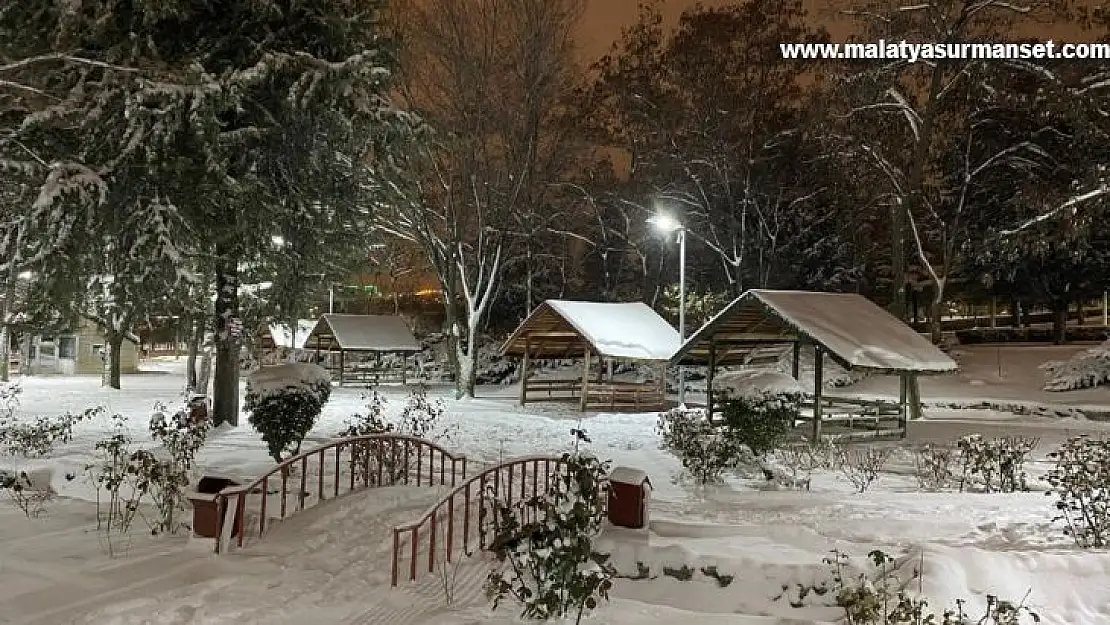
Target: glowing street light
(667, 224)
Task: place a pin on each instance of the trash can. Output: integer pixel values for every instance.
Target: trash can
(629, 491)
(198, 409)
(207, 520)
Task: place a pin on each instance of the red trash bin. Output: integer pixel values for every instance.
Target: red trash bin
(629, 492)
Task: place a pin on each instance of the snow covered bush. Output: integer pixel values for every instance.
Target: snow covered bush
(39, 437)
(862, 465)
(1087, 369)
(1079, 481)
(25, 494)
(423, 418)
(994, 465)
(544, 544)
(802, 459)
(704, 450)
(420, 417)
(284, 402)
(114, 473)
(879, 596)
(168, 477)
(934, 467)
(759, 408)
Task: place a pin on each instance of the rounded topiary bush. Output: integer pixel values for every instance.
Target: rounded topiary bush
(759, 409)
(285, 401)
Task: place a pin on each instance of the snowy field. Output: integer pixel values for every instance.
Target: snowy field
(331, 564)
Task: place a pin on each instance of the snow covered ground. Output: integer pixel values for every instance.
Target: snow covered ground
(331, 564)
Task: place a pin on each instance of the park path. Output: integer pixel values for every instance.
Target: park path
(329, 564)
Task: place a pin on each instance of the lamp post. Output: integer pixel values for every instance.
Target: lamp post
(667, 224)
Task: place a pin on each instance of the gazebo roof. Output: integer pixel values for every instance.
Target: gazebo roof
(277, 334)
(623, 331)
(853, 330)
(362, 333)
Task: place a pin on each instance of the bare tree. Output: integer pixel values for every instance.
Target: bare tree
(923, 95)
(488, 77)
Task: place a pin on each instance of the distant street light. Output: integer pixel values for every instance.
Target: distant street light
(26, 275)
(278, 240)
(667, 224)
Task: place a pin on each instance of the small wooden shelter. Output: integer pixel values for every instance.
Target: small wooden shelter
(276, 338)
(599, 334)
(848, 328)
(361, 335)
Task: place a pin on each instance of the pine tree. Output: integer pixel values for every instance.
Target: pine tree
(230, 116)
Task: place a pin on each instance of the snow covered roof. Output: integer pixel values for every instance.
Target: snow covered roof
(278, 335)
(853, 330)
(624, 331)
(362, 333)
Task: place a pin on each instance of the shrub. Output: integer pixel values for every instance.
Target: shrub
(761, 420)
(28, 497)
(1078, 481)
(1087, 369)
(879, 597)
(934, 467)
(546, 542)
(115, 474)
(420, 417)
(862, 465)
(704, 450)
(994, 465)
(39, 437)
(167, 478)
(284, 402)
(802, 459)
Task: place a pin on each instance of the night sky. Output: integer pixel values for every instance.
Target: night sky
(604, 19)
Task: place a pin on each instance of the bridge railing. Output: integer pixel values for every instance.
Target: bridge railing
(326, 472)
(456, 523)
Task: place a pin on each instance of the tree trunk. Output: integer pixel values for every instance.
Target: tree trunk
(5, 334)
(935, 330)
(468, 369)
(1081, 317)
(225, 387)
(5, 352)
(1059, 321)
(115, 353)
(196, 343)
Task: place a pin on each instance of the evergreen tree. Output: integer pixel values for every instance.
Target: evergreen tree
(229, 116)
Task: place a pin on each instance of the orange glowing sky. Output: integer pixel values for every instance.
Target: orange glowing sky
(604, 19)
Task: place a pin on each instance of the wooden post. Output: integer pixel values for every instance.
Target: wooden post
(994, 311)
(817, 384)
(585, 378)
(796, 363)
(903, 396)
(524, 371)
(709, 379)
(341, 367)
(1105, 308)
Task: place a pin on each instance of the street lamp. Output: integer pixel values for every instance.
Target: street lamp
(667, 224)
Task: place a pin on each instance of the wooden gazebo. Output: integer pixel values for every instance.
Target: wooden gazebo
(274, 336)
(599, 334)
(847, 327)
(362, 334)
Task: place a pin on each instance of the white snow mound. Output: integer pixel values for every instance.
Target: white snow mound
(294, 375)
(755, 384)
(1087, 369)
